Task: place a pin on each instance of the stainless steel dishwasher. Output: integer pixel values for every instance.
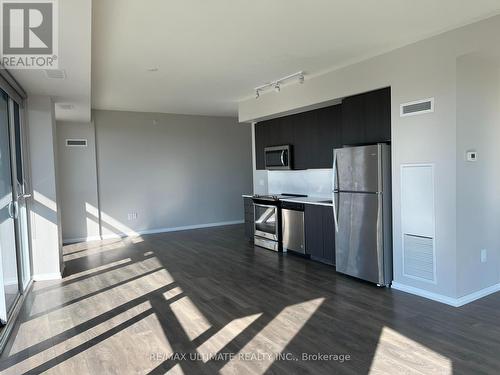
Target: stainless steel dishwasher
(292, 227)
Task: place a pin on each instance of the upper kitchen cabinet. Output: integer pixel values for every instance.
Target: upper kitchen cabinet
(366, 118)
(312, 134)
(360, 119)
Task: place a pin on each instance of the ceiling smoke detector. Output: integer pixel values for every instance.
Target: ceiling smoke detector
(55, 73)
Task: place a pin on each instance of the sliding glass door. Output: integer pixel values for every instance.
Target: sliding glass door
(21, 193)
(9, 279)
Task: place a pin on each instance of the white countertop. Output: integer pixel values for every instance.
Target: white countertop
(306, 200)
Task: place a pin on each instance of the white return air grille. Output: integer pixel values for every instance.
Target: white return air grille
(76, 143)
(419, 257)
(417, 107)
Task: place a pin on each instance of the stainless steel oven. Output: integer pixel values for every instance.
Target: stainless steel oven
(278, 157)
(267, 224)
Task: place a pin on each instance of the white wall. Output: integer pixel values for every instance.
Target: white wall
(478, 183)
(174, 171)
(421, 70)
(78, 181)
(45, 215)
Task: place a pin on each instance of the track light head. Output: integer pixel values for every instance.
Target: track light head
(301, 79)
(277, 87)
(257, 94)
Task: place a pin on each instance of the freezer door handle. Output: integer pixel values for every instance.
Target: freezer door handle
(334, 179)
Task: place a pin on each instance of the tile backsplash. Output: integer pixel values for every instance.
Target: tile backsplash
(312, 182)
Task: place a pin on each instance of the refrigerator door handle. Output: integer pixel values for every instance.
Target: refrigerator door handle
(335, 218)
(334, 179)
(334, 171)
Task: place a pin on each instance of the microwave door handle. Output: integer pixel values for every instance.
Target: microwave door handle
(282, 158)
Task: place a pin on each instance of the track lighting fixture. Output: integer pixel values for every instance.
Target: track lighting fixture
(276, 85)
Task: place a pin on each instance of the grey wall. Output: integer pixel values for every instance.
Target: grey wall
(478, 183)
(78, 181)
(421, 70)
(174, 171)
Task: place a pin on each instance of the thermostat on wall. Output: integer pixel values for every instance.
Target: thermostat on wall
(471, 155)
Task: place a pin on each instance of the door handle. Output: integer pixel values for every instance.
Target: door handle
(282, 158)
(335, 218)
(24, 196)
(334, 170)
(12, 210)
(334, 181)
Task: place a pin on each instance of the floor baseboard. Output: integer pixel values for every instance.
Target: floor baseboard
(455, 302)
(47, 276)
(150, 231)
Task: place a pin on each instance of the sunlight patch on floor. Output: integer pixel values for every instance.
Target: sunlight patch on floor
(82, 349)
(288, 323)
(224, 336)
(169, 294)
(192, 321)
(72, 315)
(97, 269)
(94, 284)
(394, 350)
(176, 370)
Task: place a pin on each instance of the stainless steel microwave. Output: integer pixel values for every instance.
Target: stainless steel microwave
(278, 157)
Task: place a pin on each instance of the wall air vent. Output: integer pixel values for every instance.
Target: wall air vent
(76, 143)
(418, 257)
(418, 107)
(55, 73)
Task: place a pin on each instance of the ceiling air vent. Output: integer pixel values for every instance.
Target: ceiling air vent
(76, 143)
(55, 73)
(417, 107)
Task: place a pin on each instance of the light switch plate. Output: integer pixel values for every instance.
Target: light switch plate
(471, 156)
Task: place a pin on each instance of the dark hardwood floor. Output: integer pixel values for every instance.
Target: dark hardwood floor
(135, 306)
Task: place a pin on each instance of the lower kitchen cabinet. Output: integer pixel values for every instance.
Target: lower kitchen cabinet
(320, 233)
(249, 218)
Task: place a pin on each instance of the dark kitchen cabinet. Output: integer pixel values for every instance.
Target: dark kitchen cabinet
(313, 136)
(313, 218)
(360, 119)
(261, 140)
(320, 233)
(249, 218)
(330, 135)
(366, 118)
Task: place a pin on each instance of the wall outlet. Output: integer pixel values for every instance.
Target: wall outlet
(132, 216)
(484, 255)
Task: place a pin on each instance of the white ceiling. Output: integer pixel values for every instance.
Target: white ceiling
(75, 20)
(210, 54)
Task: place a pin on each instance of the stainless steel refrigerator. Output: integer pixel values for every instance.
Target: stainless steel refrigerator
(362, 212)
